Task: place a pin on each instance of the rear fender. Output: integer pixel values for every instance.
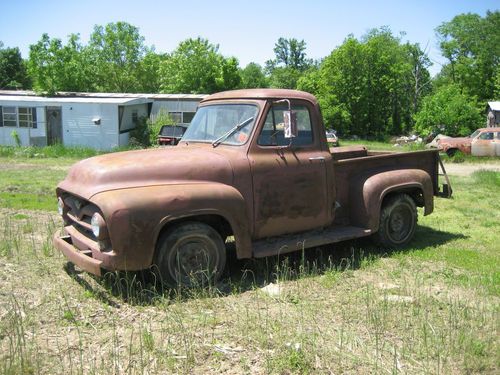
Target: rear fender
(369, 191)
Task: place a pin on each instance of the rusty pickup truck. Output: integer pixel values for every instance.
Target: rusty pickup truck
(253, 166)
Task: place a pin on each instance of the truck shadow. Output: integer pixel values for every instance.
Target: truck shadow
(341, 257)
(141, 288)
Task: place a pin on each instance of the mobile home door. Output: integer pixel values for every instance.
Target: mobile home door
(54, 125)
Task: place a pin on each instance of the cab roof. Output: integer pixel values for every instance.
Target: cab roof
(495, 129)
(261, 94)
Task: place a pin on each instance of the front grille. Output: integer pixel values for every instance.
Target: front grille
(79, 214)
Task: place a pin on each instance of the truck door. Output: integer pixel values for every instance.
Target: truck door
(496, 143)
(483, 145)
(290, 180)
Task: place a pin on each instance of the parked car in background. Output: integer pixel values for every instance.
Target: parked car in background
(171, 134)
(331, 138)
(483, 142)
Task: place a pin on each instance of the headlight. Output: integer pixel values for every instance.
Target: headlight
(98, 226)
(60, 206)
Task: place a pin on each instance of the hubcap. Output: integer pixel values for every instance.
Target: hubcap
(192, 257)
(400, 223)
(193, 261)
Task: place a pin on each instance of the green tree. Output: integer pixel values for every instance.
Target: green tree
(419, 82)
(117, 50)
(13, 72)
(289, 64)
(284, 78)
(371, 86)
(290, 53)
(496, 94)
(471, 44)
(450, 111)
(252, 76)
(196, 66)
(344, 88)
(148, 76)
(310, 81)
(57, 67)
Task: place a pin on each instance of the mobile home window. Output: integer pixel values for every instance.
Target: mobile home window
(135, 116)
(9, 116)
(1, 117)
(187, 117)
(27, 117)
(176, 117)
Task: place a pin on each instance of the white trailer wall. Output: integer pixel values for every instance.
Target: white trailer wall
(92, 125)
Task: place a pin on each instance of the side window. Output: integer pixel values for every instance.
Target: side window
(27, 117)
(10, 116)
(272, 133)
(486, 136)
(176, 117)
(187, 117)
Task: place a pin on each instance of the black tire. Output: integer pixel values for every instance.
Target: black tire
(451, 152)
(398, 221)
(190, 254)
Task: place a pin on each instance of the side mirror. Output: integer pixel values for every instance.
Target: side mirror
(290, 124)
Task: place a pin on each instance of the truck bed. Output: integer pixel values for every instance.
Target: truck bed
(355, 164)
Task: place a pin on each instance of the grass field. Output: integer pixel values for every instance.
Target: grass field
(351, 308)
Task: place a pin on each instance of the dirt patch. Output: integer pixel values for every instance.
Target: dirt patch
(467, 169)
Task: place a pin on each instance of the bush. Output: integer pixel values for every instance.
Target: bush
(456, 113)
(16, 138)
(146, 130)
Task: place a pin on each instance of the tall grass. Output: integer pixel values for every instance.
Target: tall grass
(54, 151)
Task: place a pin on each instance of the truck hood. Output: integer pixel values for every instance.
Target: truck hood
(172, 165)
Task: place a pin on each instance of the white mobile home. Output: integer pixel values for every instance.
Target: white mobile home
(100, 123)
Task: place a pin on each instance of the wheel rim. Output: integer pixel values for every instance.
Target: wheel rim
(401, 222)
(193, 260)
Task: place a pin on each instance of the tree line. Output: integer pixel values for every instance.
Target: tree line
(376, 85)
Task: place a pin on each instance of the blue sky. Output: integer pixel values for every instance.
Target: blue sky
(247, 30)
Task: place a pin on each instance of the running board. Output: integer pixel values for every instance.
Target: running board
(304, 240)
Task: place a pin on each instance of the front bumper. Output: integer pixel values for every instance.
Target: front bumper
(86, 254)
(82, 258)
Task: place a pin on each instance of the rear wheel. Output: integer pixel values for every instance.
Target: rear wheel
(398, 220)
(190, 254)
(451, 152)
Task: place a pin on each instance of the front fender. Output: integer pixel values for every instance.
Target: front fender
(369, 191)
(136, 216)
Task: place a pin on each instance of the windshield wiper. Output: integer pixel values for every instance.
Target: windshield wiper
(236, 128)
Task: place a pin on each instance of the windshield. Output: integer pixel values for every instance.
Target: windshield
(473, 135)
(213, 121)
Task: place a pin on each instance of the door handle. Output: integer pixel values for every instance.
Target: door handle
(312, 158)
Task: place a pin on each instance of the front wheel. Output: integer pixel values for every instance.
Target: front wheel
(398, 221)
(190, 254)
